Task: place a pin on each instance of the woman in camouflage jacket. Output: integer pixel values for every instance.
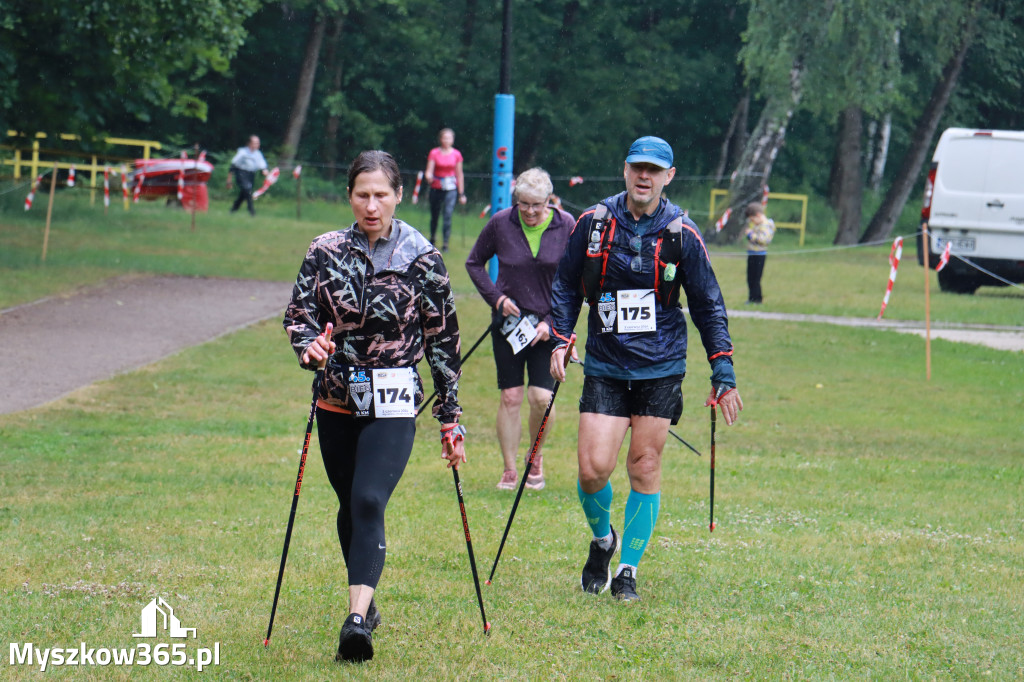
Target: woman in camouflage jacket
(386, 291)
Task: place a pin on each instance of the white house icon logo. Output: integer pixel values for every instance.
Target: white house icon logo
(170, 622)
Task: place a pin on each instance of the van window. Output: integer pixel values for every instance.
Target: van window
(1006, 168)
(962, 168)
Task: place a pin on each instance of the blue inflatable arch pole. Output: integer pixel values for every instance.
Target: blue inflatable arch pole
(504, 130)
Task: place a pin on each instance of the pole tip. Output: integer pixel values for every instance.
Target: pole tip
(266, 642)
(487, 628)
(713, 525)
(487, 582)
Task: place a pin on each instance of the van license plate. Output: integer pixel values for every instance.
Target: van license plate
(958, 244)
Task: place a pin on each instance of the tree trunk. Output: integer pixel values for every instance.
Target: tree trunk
(334, 62)
(895, 199)
(851, 183)
(880, 152)
(735, 136)
(755, 166)
(303, 91)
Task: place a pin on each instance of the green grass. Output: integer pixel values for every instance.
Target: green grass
(869, 523)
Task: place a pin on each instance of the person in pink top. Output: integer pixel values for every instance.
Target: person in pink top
(447, 183)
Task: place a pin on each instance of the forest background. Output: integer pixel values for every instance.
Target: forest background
(840, 100)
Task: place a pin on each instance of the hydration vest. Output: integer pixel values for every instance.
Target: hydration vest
(667, 253)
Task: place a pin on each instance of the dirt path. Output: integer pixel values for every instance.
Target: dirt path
(993, 336)
(130, 322)
(121, 325)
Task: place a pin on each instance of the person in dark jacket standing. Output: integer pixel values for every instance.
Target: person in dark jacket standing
(628, 257)
(244, 164)
(528, 239)
(387, 293)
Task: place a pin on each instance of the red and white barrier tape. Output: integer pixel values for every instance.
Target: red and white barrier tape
(296, 172)
(416, 188)
(270, 180)
(894, 262)
(124, 185)
(32, 192)
(106, 186)
(764, 196)
(487, 210)
(721, 222)
(139, 179)
(944, 258)
(575, 180)
(71, 176)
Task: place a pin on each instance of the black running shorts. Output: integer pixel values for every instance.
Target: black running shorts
(662, 397)
(534, 361)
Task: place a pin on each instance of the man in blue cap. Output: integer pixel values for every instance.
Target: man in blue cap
(628, 256)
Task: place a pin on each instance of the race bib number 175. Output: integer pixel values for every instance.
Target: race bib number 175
(635, 310)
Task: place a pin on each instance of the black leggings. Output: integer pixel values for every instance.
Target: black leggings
(364, 459)
(755, 269)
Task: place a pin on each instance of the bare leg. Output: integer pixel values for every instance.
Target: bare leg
(599, 440)
(359, 597)
(509, 425)
(643, 462)
(539, 399)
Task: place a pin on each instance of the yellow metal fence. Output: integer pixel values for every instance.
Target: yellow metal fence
(23, 152)
(800, 226)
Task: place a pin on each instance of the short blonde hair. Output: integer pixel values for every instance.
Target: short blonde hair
(534, 181)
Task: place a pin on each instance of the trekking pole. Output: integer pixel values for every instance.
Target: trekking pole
(298, 483)
(679, 438)
(529, 462)
(466, 357)
(469, 541)
(711, 520)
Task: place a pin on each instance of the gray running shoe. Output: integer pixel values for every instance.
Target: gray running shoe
(624, 586)
(355, 643)
(597, 574)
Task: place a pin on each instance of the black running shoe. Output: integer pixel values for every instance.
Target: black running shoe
(355, 644)
(624, 585)
(597, 572)
(372, 615)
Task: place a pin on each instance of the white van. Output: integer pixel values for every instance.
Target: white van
(974, 199)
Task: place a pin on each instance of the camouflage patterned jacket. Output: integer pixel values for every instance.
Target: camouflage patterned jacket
(381, 319)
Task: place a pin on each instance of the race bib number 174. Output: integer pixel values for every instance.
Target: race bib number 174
(383, 393)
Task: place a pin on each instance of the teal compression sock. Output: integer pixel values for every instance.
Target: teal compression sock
(641, 515)
(597, 506)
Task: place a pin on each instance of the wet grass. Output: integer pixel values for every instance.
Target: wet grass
(869, 523)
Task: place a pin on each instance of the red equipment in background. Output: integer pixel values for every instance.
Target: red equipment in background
(161, 180)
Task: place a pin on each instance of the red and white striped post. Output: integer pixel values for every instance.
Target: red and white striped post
(32, 192)
(894, 263)
(416, 188)
(106, 189)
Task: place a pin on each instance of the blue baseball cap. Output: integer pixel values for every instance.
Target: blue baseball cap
(653, 150)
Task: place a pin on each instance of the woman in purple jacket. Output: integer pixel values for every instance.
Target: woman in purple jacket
(528, 239)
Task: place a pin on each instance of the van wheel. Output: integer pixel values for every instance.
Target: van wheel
(956, 282)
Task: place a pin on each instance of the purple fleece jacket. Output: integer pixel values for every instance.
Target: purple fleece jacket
(527, 280)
